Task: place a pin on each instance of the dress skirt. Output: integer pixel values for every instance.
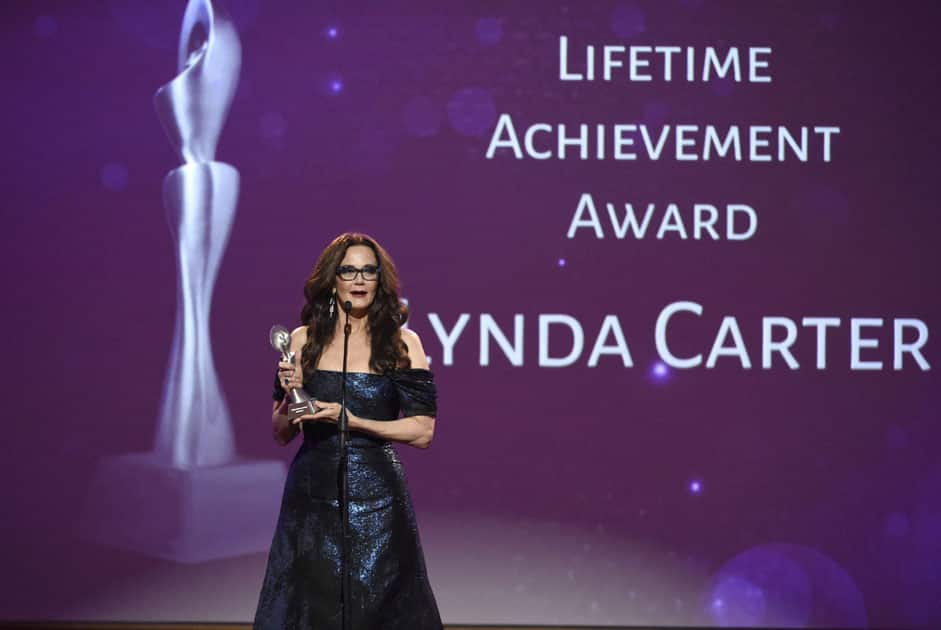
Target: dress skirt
(389, 585)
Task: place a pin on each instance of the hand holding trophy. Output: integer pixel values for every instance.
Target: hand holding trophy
(299, 402)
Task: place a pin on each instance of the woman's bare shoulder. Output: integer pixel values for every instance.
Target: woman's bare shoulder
(299, 337)
(416, 352)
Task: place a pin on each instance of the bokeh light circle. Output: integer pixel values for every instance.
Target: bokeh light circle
(45, 26)
(489, 31)
(114, 176)
(628, 20)
(784, 585)
(471, 111)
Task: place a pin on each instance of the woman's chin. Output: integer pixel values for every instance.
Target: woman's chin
(360, 305)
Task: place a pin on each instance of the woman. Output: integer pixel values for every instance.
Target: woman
(390, 397)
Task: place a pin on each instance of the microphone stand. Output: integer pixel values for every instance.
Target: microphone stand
(346, 607)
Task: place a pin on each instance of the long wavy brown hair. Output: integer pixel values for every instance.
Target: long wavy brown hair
(384, 318)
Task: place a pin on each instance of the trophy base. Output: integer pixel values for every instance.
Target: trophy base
(298, 409)
(138, 503)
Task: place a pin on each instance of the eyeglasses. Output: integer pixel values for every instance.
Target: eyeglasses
(349, 272)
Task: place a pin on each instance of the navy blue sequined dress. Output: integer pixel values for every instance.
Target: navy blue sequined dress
(390, 588)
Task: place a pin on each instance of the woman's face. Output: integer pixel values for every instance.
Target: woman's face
(361, 290)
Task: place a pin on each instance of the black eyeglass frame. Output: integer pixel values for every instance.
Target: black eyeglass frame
(358, 271)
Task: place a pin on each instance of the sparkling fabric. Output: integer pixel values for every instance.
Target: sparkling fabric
(390, 588)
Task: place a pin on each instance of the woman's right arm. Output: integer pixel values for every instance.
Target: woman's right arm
(284, 431)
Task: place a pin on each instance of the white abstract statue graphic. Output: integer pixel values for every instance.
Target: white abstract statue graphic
(195, 427)
(202, 502)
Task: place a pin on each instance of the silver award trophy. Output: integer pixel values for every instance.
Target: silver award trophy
(203, 502)
(299, 402)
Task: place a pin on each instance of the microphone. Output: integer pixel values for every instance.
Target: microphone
(347, 307)
(344, 484)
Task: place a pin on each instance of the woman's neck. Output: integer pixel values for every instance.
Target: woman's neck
(358, 323)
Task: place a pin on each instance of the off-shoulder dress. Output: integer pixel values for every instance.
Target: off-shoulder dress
(389, 584)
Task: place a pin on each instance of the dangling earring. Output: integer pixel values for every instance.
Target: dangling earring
(333, 303)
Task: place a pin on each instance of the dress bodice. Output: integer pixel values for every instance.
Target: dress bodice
(408, 392)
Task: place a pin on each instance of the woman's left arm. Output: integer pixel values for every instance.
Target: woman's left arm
(415, 431)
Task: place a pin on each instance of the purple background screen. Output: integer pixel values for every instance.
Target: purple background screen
(583, 494)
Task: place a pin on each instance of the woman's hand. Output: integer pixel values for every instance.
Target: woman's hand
(289, 376)
(326, 412)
